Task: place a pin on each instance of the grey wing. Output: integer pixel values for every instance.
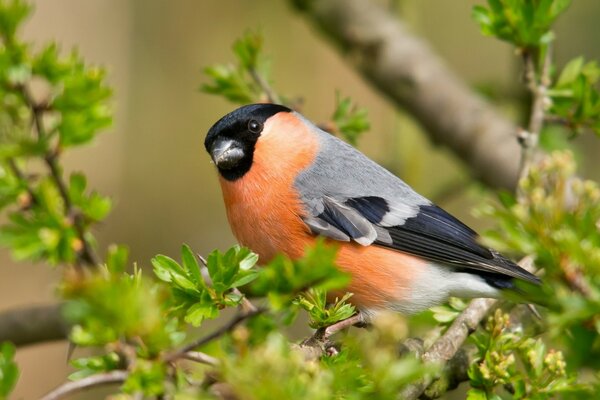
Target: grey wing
(349, 197)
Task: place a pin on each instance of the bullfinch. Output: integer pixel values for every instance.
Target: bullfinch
(285, 182)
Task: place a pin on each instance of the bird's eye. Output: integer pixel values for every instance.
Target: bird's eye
(254, 126)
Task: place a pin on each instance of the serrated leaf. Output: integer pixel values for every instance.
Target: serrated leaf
(190, 263)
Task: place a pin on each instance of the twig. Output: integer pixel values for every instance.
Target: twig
(30, 325)
(200, 357)
(450, 342)
(319, 343)
(264, 86)
(447, 345)
(538, 88)
(69, 388)
(235, 321)
(12, 164)
(87, 254)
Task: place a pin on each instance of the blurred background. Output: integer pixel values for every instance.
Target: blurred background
(152, 161)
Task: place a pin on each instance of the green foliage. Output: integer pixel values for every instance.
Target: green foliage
(510, 361)
(139, 326)
(283, 279)
(9, 372)
(148, 377)
(238, 83)
(106, 308)
(368, 367)
(191, 293)
(349, 120)
(12, 15)
(322, 314)
(556, 221)
(70, 107)
(575, 97)
(447, 313)
(87, 366)
(524, 23)
(248, 82)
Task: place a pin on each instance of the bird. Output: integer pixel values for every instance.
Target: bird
(285, 183)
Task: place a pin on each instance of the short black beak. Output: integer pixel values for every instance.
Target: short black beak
(226, 153)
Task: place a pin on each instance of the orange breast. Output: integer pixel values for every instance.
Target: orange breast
(264, 212)
(263, 208)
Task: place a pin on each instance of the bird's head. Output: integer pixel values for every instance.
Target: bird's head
(231, 141)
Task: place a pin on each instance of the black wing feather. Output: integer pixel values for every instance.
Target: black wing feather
(436, 235)
(432, 234)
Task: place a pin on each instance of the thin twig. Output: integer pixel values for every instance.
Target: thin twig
(200, 357)
(12, 164)
(264, 86)
(235, 321)
(320, 343)
(538, 86)
(69, 388)
(87, 253)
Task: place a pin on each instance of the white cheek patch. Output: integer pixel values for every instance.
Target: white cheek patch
(399, 212)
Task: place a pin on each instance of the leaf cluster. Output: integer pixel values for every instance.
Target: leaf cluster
(575, 97)
(524, 23)
(201, 299)
(557, 221)
(509, 362)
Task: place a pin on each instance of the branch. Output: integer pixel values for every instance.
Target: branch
(320, 342)
(25, 326)
(405, 69)
(235, 321)
(264, 86)
(201, 358)
(539, 89)
(446, 347)
(87, 255)
(69, 388)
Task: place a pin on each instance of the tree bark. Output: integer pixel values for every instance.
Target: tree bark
(404, 68)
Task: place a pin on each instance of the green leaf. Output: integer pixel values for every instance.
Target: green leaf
(12, 15)
(147, 377)
(349, 120)
(9, 373)
(570, 72)
(190, 263)
(199, 312)
(116, 258)
(165, 268)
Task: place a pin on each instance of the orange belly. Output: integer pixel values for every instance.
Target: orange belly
(265, 214)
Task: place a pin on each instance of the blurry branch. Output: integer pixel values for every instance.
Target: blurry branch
(272, 97)
(234, 322)
(25, 326)
(69, 388)
(405, 69)
(201, 358)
